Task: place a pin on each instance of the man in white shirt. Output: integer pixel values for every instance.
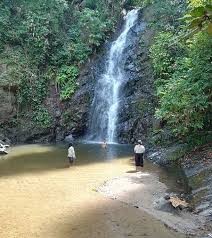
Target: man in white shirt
(139, 150)
(71, 154)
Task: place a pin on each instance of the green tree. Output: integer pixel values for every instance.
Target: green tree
(183, 77)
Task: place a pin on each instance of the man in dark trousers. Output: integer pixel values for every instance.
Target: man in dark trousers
(139, 150)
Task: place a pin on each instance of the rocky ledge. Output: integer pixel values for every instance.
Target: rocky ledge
(197, 166)
(144, 191)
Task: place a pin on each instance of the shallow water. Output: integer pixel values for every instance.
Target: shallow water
(38, 189)
(37, 158)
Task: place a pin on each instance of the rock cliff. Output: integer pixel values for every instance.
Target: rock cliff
(71, 117)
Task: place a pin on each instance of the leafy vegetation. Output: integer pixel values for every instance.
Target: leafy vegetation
(181, 57)
(67, 80)
(199, 18)
(41, 117)
(46, 42)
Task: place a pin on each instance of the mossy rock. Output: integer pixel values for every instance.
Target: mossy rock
(175, 152)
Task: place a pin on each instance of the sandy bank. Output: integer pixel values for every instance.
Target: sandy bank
(144, 191)
(61, 203)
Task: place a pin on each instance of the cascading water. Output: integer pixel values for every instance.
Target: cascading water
(105, 104)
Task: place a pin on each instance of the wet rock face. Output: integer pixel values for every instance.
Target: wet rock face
(136, 98)
(75, 112)
(137, 102)
(72, 116)
(24, 130)
(198, 169)
(167, 156)
(4, 139)
(69, 117)
(8, 110)
(7, 105)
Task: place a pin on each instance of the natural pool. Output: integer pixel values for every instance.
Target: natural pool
(41, 197)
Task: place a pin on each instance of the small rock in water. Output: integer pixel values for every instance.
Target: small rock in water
(167, 197)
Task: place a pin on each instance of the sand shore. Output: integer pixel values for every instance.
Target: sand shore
(63, 203)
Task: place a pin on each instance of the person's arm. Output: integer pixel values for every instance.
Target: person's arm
(73, 152)
(144, 149)
(69, 151)
(135, 149)
(144, 154)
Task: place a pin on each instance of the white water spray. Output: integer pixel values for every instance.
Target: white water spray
(105, 105)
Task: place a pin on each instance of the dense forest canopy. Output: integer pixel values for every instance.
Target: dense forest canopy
(47, 42)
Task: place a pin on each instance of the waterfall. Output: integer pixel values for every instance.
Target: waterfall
(105, 105)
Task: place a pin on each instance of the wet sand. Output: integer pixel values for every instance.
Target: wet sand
(144, 191)
(63, 203)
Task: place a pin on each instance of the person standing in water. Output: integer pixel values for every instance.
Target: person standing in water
(104, 145)
(71, 154)
(139, 150)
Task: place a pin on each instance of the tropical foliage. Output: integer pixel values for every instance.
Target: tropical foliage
(46, 42)
(181, 57)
